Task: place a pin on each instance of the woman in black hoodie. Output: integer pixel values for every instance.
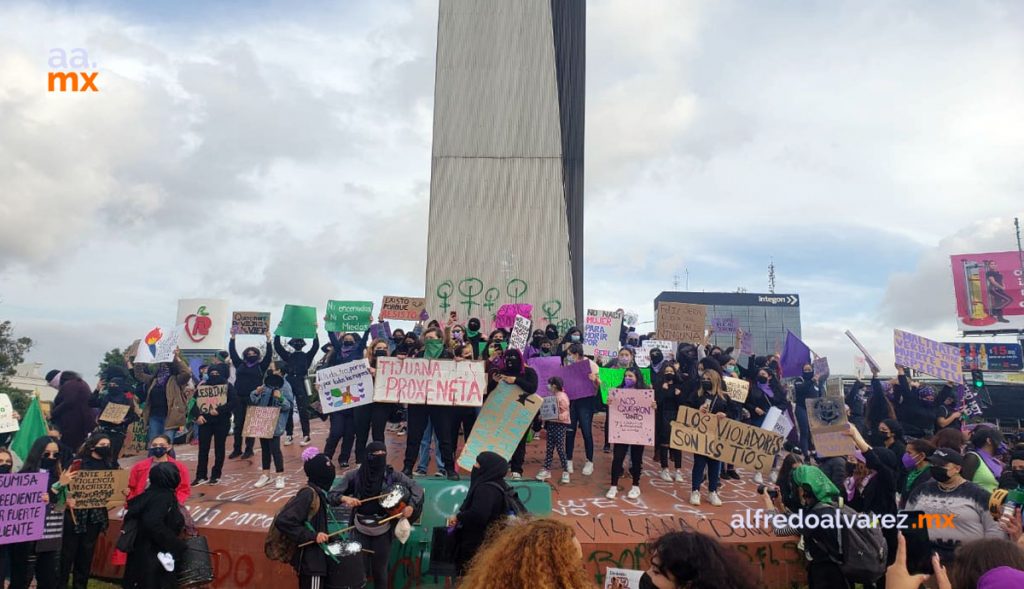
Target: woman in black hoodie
(516, 372)
(117, 390)
(249, 371)
(214, 424)
(484, 505)
(82, 530)
(668, 395)
(160, 524)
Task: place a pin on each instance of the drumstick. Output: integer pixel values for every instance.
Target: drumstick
(328, 535)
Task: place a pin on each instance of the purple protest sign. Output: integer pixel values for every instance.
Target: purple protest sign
(506, 317)
(577, 380)
(380, 330)
(22, 512)
(545, 367)
(724, 324)
(747, 343)
(927, 356)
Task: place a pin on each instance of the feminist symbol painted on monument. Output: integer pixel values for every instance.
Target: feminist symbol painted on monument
(516, 288)
(551, 309)
(565, 324)
(470, 288)
(444, 291)
(491, 299)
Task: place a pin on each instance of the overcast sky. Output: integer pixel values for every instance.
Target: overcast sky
(273, 152)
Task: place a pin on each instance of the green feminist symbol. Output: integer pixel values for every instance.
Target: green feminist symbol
(551, 309)
(491, 298)
(444, 291)
(470, 288)
(516, 288)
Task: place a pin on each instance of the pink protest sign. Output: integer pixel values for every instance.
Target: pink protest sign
(631, 416)
(506, 317)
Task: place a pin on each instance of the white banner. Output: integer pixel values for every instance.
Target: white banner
(345, 386)
(420, 381)
(158, 345)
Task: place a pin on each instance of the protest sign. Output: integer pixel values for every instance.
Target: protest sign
(827, 418)
(419, 381)
(631, 416)
(402, 308)
(7, 421)
(630, 318)
(549, 409)
(834, 388)
(577, 381)
(681, 322)
(610, 378)
(859, 365)
(736, 388)
(260, 422)
(136, 439)
(345, 386)
(777, 421)
(601, 333)
(99, 488)
(825, 412)
(746, 343)
(724, 324)
(22, 514)
(53, 530)
(520, 333)
(132, 350)
(501, 424)
(115, 413)
(210, 397)
(158, 345)
(348, 316)
(867, 357)
(381, 330)
(928, 356)
(833, 441)
(250, 322)
(506, 316)
(622, 578)
(643, 356)
(727, 440)
(821, 370)
(545, 367)
(297, 321)
(205, 323)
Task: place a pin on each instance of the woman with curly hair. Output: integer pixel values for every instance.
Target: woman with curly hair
(536, 553)
(695, 561)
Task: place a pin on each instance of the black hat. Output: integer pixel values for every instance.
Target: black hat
(944, 456)
(297, 343)
(111, 372)
(51, 374)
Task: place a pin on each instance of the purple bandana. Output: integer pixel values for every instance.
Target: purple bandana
(994, 465)
(766, 388)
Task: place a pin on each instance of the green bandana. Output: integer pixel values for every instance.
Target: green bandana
(432, 348)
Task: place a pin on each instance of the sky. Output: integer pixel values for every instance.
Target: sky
(273, 152)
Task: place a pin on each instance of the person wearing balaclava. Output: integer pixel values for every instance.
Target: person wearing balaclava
(274, 392)
(214, 421)
(483, 506)
(439, 418)
(40, 560)
(474, 338)
(516, 372)
(84, 527)
(347, 348)
(358, 489)
(807, 389)
(249, 371)
(914, 404)
(159, 526)
(116, 390)
(297, 363)
(70, 412)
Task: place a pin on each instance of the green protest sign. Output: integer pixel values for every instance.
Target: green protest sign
(345, 316)
(297, 321)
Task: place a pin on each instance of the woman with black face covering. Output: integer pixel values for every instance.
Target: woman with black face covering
(160, 524)
(41, 560)
(357, 488)
(474, 338)
(298, 363)
(117, 390)
(483, 506)
(81, 531)
(249, 371)
(214, 424)
(348, 347)
(516, 372)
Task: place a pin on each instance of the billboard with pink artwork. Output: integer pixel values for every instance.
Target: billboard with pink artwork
(989, 292)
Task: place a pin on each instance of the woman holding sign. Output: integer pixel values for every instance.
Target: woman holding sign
(83, 526)
(214, 420)
(274, 392)
(631, 379)
(115, 399)
(710, 399)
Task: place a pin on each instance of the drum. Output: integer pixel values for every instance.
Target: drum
(396, 499)
(196, 566)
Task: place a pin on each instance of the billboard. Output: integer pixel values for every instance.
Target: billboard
(990, 357)
(989, 292)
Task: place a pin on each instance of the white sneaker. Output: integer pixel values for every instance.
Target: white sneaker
(565, 478)
(679, 476)
(634, 493)
(544, 474)
(305, 441)
(612, 493)
(517, 476)
(695, 498)
(287, 440)
(279, 483)
(588, 468)
(714, 499)
(262, 482)
(568, 468)
(758, 478)
(666, 475)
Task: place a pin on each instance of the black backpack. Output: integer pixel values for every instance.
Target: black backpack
(514, 506)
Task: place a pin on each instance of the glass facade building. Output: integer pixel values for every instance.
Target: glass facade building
(766, 316)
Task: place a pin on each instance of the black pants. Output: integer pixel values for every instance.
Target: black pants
(377, 563)
(301, 406)
(343, 429)
(662, 431)
(636, 459)
(271, 448)
(463, 418)
(76, 553)
(27, 564)
(441, 418)
(239, 413)
(217, 432)
(825, 575)
(519, 456)
(372, 418)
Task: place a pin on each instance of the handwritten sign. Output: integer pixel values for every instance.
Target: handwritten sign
(601, 333)
(928, 356)
(520, 333)
(7, 421)
(403, 308)
(99, 488)
(250, 322)
(420, 381)
(630, 318)
(871, 361)
(724, 439)
(622, 578)
(549, 409)
(736, 388)
(746, 343)
(821, 369)
(501, 424)
(724, 324)
(833, 441)
(115, 413)
(681, 322)
(22, 514)
(778, 421)
(260, 422)
(346, 316)
(631, 416)
(136, 439)
(210, 397)
(380, 330)
(158, 345)
(643, 356)
(506, 317)
(345, 386)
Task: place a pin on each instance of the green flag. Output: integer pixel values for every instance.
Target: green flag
(297, 321)
(33, 427)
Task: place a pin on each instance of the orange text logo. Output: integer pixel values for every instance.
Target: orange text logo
(76, 80)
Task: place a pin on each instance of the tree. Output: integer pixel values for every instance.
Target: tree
(12, 353)
(115, 357)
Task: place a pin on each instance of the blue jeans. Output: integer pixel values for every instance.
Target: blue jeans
(424, 458)
(156, 427)
(581, 412)
(713, 467)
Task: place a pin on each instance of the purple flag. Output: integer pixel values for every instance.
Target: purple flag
(794, 355)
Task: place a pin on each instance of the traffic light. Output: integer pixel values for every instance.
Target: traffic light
(978, 378)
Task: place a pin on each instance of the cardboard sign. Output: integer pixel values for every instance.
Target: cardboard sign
(727, 440)
(348, 316)
(297, 321)
(22, 514)
(205, 323)
(520, 333)
(834, 388)
(828, 422)
(260, 422)
(250, 322)
(420, 381)
(115, 413)
(93, 489)
(210, 397)
(505, 416)
(778, 421)
(506, 317)
(345, 386)
(724, 324)
(928, 356)
(136, 439)
(622, 578)
(7, 421)
(601, 333)
(825, 412)
(549, 409)
(833, 441)
(403, 308)
(158, 345)
(631, 416)
(132, 350)
(643, 355)
(380, 331)
(821, 369)
(681, 322)
(871, 361)
(747, 343)
(736, 388)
